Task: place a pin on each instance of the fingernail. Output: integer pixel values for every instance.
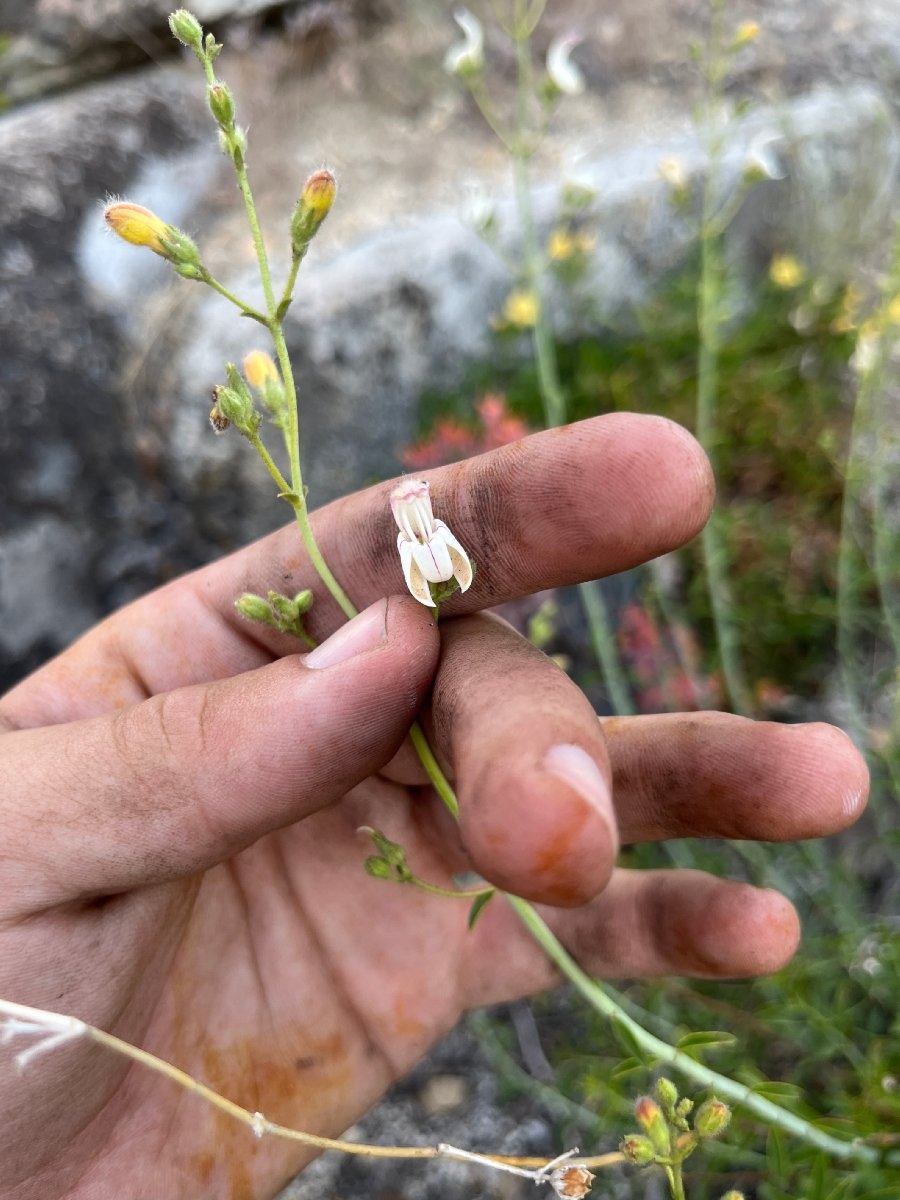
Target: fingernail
(575, 767)
(365, 632)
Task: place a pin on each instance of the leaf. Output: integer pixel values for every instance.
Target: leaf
(777, 1092)
(627, 1066)
(478, 904)
(631, 1045)
(705, 1038)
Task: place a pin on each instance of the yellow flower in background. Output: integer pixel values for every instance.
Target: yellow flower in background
(786, 272)
(561, 245)
(139, 226)
(892, 311)
(747, 32)
(520, 309)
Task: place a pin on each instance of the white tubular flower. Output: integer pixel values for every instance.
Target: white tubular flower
(429, 553)
(467, 56)
(562, 71)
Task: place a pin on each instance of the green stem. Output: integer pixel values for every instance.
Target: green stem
(602, 640)
(452, 893)
(676, 1181)
(709, 320)
(432, 767)
(292, 439)
(271, 466)
(722, 1085)
(541, 338)
(246, 309)
(287, 294)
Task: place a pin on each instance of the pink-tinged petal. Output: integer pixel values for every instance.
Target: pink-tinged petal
(415, 580)
(433, 560)
(462, 568)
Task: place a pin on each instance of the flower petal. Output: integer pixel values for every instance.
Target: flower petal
(433, 560)
(467, 56)
(562, 71)
(462, 567)
(415, 580)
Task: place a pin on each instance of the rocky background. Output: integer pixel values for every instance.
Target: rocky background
(110, 479)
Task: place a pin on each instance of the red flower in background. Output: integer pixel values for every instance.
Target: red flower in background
(452, 440)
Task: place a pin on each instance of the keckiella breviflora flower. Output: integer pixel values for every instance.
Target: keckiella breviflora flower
(429, 553)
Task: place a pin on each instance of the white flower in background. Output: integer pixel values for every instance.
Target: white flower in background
(467, 56)
(429, 553)
(763, 161)
(562, 71)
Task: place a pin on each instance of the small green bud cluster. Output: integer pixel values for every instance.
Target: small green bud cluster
(389, 862)
(668, 1136)
(284, 613)
(234, 405)
(188, 30)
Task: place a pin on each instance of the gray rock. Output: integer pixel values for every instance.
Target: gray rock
(58, 43)
(68, 449)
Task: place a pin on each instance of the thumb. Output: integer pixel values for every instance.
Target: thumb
(186, 779)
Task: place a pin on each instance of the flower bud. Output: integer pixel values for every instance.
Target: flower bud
(378, 868)
(711, 1118)
(733, 1194)
(254, 608)
(262, 375)
(186, 28)
(312, 208)
(638, 1149)
(139, 226)
(259, 370)
(221, 103)
(667, 1094)
(650, 1117)
(237, 408)
(571, 1182)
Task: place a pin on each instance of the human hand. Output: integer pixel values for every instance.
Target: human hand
(182, 793)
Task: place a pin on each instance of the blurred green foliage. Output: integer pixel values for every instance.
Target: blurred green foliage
(826, 1028)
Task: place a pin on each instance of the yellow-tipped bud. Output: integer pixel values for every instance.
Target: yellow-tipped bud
(711, 1118)
(319, 192)
(650, 1117)
(312, 208)
(638, 1149)
(260, 370)
(139, 226)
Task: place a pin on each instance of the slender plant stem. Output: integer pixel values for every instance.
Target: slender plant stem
(603, 642)
(246, 309)
(51, 1024)
(710, 303)
(450, 893)
(722, 1085)
(288, 292)
(438, 779)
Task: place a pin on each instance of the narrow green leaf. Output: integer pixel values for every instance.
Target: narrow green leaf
(478, 904)
(706, 1038)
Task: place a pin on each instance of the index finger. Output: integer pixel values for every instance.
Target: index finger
(570, 504)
